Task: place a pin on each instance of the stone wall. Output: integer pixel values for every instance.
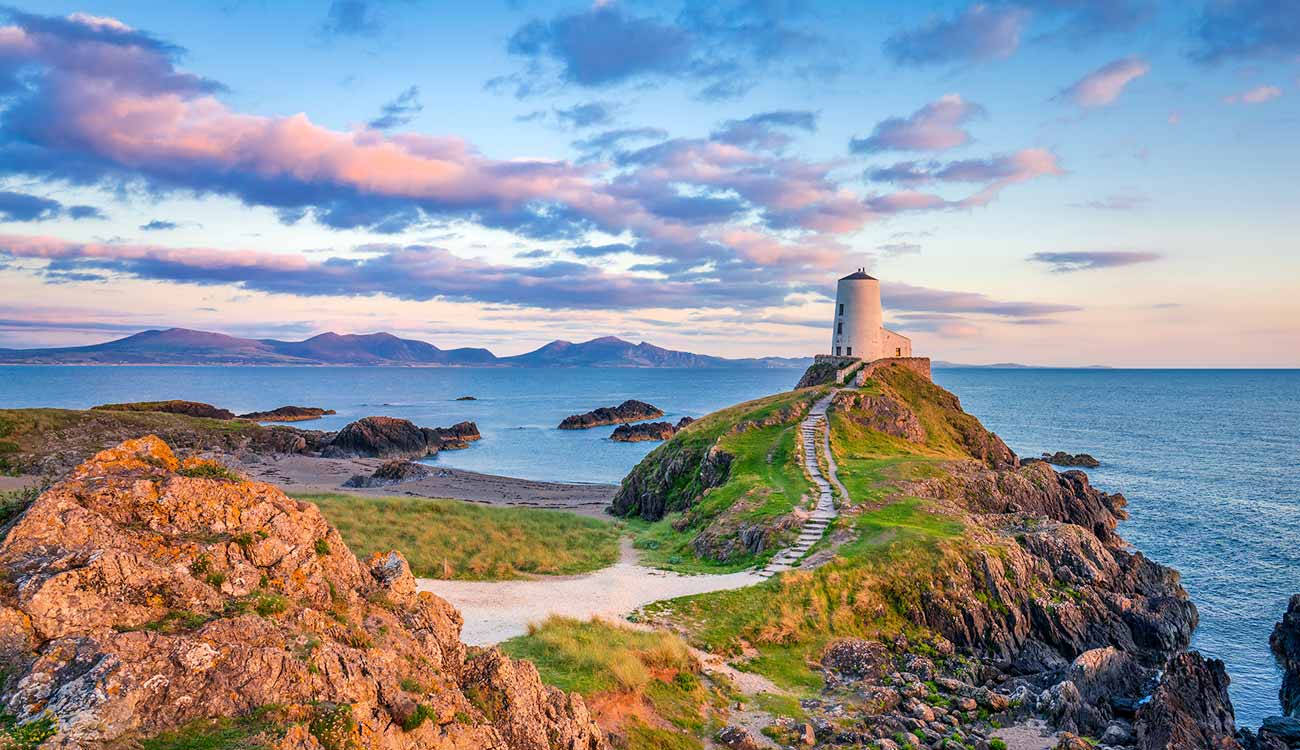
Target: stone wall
(919, 365)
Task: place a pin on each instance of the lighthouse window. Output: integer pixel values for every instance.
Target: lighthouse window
(841, 308)
(848, 352)
(839, 327)
(837, 351)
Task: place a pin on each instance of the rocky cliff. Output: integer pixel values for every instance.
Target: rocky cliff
(143, 593)
(630, 410)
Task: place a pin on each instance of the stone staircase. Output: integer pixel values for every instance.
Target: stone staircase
(812, 430)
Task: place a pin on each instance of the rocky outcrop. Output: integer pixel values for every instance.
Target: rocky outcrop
(188, 408)
(467, 398)
(881, 413)
(389, 437)
(1285, 643)
(390, 473)
(628, 411)
(140, 596)
(288, 414)
(635, 433)
(1189, 709)
(1061, 458)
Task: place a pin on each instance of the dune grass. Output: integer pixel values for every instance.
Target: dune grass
(650, 675)
(469, 541)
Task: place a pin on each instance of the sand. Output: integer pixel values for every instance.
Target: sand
(305, 474)
(497, 610)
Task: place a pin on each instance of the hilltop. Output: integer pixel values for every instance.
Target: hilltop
(182, 346)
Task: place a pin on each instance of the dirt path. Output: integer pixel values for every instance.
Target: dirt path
(497, 610)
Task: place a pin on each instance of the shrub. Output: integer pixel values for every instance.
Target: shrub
(997, 743)
(209, 470)
(26, 736)
(322, 547)
(333, 726)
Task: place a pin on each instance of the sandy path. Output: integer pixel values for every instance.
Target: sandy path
(497, 610)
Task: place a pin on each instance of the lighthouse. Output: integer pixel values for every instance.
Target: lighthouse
(858, 327)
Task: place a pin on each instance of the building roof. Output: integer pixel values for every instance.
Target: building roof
(858, 274)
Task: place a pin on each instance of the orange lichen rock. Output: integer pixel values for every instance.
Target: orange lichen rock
(145, 592)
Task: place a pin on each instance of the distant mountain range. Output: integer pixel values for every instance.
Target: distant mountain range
(181, 346)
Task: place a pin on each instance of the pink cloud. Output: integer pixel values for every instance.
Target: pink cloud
(1104, 85)
(935, 127)
(1257, 95)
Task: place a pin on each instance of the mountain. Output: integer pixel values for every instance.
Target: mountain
(611, 351)
(181, 346)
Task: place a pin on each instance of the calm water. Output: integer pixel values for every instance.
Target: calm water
(1208, 459)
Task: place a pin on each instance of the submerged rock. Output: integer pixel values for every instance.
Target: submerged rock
(390, 473)
(144, 592)
(1061, 458)
(1189, 709)
(628, 411)
(288, 414)
(389, 437)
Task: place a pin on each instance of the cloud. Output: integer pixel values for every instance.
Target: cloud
(1116, 202)
(1066, 262)
(996, 172)
(586, 115)
(399, 111)
(1243, 29)
(1257, 95)
(613, 140)
(935, 127)
(16, 206)
(979, 33)
(351, 18)
(712, 42)
(407, 272)
(899, 248)
(906, 298)
(763, 130)
(942, 324)
(159, 225)
(1104, 85)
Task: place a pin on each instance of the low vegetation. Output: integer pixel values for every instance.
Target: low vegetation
(645, 686)
(468, 541)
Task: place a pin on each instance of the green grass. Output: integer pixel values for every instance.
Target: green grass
(209, 470)
(593, 656)
(253, 732)
(469, 541)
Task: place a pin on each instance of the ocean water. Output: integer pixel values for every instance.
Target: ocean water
(1209, 460)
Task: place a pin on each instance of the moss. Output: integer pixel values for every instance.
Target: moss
(26, 735)
(209, 470)
(421, 714)
(334, 726)
(322, 547)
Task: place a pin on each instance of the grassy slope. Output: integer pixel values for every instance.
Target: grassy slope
(648, 683)
(896, 543)
(27, 433)
(468, 541)
(765, 479)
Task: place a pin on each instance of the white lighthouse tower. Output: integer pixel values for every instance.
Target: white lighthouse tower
(858, 328)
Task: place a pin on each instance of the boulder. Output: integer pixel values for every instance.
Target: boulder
(856, 658)
(1285, 643)
(737, 738)
(389, 437)
(390, 473)
(140, 599)
(1190, 708)
(628, 411)
(288, 414)
(1061, 458)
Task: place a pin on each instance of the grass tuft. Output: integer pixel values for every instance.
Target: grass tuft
(468, 541)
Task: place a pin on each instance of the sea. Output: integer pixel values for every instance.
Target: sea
(1208, 459)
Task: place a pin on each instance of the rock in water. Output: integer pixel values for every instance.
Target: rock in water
(188, 408)
(1061, 458)
(287, 414)
(628, 411)
(390, 473)
(1190, 708)
(634, 433)
(1285, 642)
(144, 592)
(389, 437)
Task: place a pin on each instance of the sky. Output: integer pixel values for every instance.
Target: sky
(1056, 182)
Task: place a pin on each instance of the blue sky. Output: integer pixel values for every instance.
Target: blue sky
(1052, 181)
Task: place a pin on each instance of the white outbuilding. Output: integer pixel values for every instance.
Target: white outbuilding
(858, 328)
